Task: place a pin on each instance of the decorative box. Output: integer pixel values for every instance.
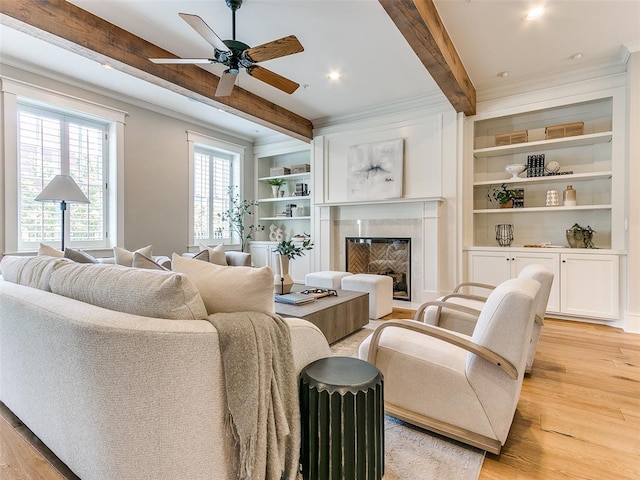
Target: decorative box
(565, 130)
(273, 171)
(301, 168)
(511, 138)
(536, 134)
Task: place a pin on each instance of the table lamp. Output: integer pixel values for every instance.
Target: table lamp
(65, 190)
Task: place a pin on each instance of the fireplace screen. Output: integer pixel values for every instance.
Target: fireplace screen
(382, 256)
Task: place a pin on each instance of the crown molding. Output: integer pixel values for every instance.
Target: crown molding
(552, 79)
(435, 100)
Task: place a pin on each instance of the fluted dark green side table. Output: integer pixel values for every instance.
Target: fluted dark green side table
(342, 407)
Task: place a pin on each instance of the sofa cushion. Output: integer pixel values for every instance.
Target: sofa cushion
(140, 261)
(125, 257)
(50, 251)
(32, 272)
(202, 255)
(148, 293)
(216, 254)
(79, 256)
(229, 289)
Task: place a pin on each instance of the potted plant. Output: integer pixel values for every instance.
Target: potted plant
(580, 237)
(235, 215)
(288, 250)
(276, 183)
(503, 195)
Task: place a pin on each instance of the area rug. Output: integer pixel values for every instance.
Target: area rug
(410, 452)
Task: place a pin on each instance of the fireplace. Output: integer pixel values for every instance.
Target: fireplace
(382, 256)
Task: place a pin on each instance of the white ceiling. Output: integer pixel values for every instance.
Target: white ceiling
(355, 37)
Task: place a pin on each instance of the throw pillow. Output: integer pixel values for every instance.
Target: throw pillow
(125, 257)
(79, 256)
(216, 254)
(203, 255)
(140, 261)
(229, 289)
(32, 272)
(148, 293)
(50, 251)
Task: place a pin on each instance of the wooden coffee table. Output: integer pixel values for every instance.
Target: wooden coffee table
(335, 316)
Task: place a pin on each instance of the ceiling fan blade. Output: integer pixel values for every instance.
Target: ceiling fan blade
(273, 79)
(181, 61)
(226, 83)
(205, 31)
(270, 50)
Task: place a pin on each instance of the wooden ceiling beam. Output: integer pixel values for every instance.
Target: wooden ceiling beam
(70, 27)
(421, 26)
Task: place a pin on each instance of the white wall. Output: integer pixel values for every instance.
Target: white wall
(156, 167)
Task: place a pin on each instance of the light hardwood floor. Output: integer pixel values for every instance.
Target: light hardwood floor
(578, 415)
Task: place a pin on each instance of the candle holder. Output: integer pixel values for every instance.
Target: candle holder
(504, 234)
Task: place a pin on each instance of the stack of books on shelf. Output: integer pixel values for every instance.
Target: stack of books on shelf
(535, 165)
(518, 201)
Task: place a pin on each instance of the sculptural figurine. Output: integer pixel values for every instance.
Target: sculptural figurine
(279, 235)
(273, 232)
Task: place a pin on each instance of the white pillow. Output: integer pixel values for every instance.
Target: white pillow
(125, 257)
(229, 289)
(216, 254)
(149, 293)
(32, 272)
(50, 251)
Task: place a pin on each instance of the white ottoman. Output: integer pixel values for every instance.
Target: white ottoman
(379, 288)
(325, 279)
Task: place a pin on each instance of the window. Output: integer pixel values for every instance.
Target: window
(50, 143)
(212, 176)
(214, 169)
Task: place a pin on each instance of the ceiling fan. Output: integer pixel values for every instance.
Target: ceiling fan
(236, 55)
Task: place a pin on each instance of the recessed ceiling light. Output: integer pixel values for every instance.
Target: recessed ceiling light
(576, 56)
(534, 13)
(334, 76)
(503, 74)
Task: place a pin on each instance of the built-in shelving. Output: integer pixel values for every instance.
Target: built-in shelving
(575, 177)
(567, 142)
(556, 209)
(587, 160)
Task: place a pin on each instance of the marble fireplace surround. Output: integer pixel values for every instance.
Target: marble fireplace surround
(421, 220)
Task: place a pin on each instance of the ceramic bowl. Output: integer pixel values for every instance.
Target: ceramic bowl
(515, 169)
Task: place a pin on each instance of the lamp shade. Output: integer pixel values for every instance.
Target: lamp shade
(62, 189)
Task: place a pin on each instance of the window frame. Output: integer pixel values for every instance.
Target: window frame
(197, 140)
(16, 92)
(67, 119)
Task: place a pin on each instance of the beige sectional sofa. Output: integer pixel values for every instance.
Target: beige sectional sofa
(119, 395)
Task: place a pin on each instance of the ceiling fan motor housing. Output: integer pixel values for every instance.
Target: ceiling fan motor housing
(234, 4)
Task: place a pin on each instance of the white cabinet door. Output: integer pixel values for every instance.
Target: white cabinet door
(548, 259)
(489, 267)
(589, 285)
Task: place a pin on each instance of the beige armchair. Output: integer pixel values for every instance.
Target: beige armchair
(463, 320)
(464, 387)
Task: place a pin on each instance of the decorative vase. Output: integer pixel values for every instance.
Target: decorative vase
(275, 189)
(507, 204)
(504, 234)
(569, 197)
(282, 281)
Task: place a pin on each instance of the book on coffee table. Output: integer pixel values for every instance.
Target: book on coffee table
(294, 298)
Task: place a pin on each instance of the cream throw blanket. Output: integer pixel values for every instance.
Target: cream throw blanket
(262, 393)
